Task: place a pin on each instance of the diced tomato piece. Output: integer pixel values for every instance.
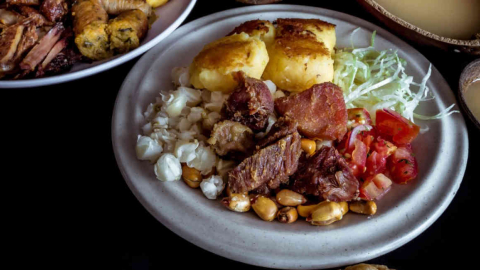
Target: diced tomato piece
(359, 158)
(392, 124)
(375, 187)
(369, 191)
(358, 116)
(376, 163)
(384, 147)
(402, 165)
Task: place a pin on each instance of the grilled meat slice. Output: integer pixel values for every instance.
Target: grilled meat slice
(61, 63)
(250, 103)
(271, 165)
(54, 10)
(36, 17)
(320, 111)
(29, 39)
(327, 175)
(23, 2)
(40, 51)
(283, 127)
(9, 40)
(232, 139)
(8, 17)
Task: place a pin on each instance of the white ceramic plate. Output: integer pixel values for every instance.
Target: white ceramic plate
(170, 16)
(402, 215)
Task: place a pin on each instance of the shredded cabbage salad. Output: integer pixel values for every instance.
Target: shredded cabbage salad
(375, 79)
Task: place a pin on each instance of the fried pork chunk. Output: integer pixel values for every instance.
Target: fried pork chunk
(263, 30)
(250, 103)
(327, 175)
(283, 127)
(320, 111)
(232, 139)
(271, 165)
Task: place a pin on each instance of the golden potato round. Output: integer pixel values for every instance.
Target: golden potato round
(321, 30)
(212, 68)
(297, 63)
(264, 30)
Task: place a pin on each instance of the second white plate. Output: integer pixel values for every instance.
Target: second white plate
(402, 215)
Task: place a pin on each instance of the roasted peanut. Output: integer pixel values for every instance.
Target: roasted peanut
(237, 202)
(309, 146)
(344, 206)
(287, 215)
(306, 210)
(191, 176)
(287, 197)
(364, 207)
(326, 213)
(265, 208)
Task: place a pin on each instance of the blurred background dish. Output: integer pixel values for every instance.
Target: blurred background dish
(469, 91)
(169, 17)
(451, 25)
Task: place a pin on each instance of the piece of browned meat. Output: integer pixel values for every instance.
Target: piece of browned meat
(40, 51)
(61, 63)
(29, 39)
(9, 40)
(232, 139)
(54, 10)
(283, 127)
(320, 111)
(36, 17)
(23, 2)
(250, 103)
(327, 175)
(271, 165)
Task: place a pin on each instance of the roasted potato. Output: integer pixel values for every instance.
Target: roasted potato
(127, 30)
(298, 62)
(214, 66)
(321, 30)
(264, 30)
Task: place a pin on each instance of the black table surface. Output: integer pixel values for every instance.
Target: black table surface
(74, 207)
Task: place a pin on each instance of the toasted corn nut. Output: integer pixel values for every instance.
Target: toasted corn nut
(309, 146)
(237, 202)
(344, 206)
(287, 197)
(364, 207)
(191, 176)
(265, 208)
(287, 215)
(326, 213)
(306, 210)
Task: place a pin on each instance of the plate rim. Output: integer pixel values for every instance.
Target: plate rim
(397, 242)
(67, 77)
